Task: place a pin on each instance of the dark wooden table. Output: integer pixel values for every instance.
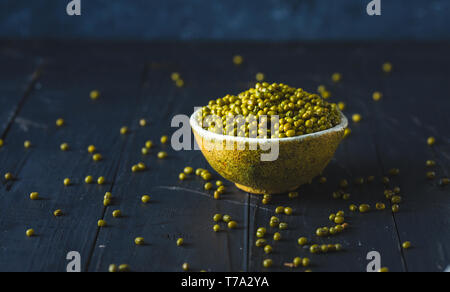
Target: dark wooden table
(42, 81)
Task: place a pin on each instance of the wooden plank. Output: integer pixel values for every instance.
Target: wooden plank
(178, 209)
(416, 107)
(72, 71)
(308, 67)
(18, 74)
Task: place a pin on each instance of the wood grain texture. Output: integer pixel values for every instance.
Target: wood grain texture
(18, 74)
(356, 157)
(63, 92)
(416, 107)
(134, 79)
(177, 209)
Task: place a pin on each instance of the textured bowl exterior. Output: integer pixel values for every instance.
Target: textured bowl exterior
(300, 159)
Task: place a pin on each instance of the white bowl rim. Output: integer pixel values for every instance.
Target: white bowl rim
(213, 136)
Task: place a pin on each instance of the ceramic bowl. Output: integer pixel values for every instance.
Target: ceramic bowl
(300, 159)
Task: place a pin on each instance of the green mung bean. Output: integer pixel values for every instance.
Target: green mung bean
(310, 112)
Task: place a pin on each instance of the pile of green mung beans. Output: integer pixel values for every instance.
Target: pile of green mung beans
(283, 111)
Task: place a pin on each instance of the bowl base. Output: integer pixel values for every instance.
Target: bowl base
(260, 191)
(250, 190)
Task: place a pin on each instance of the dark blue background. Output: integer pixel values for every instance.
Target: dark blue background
(226, 20)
